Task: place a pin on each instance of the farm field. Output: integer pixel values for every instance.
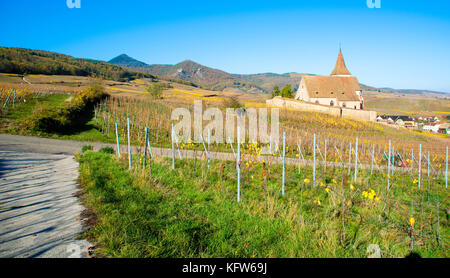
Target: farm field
(413, 105)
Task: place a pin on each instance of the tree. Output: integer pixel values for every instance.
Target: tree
(155, 90)
(232, 102)
(287, 91)
(276, 91)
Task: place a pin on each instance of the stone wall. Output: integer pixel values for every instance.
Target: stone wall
(364, 115)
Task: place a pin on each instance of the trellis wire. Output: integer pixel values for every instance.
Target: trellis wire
(232, 148)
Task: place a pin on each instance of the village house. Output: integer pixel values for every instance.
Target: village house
(340, 89)
(403, 121)
(431, 119)
(431, 128)
(444, 128)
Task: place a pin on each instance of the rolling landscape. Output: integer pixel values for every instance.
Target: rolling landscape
(103, 155)
(126, 83)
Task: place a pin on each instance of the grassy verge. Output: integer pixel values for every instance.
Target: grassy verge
(192, 212)
(60, 117)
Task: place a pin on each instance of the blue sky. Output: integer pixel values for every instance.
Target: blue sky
(404, 44)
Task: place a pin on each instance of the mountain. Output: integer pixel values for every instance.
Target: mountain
(126, 61)
(213, 78)
(190, 71)
(28, 61)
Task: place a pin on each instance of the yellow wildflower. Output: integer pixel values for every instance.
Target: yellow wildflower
(327, 189)
(317, 201)
(412, 221)
(306, 180)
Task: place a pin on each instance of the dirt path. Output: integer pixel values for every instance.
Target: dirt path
(40, 214)
(52, 146)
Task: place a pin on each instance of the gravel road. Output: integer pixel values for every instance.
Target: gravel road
(40, 214)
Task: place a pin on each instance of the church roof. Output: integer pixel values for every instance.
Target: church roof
(340, 68)
(341, 87)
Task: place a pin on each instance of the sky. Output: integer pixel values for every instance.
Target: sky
(404, 44)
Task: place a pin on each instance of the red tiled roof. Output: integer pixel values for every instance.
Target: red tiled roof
(341, 87)
(340, 68)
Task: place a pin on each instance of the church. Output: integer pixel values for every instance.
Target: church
(340, 89)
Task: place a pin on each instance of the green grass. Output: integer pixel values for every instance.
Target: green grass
(13, 121)
(192, 212)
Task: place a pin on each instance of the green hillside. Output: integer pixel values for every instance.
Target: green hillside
(27, 61)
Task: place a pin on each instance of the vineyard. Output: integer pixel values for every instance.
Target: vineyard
(334, 169)
(335, 136)
(330, 187)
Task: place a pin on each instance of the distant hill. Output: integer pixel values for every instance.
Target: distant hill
(413, 91)
(191, 72)
(27, 61)
(126, 68)
(211, 78)
(126, 61)
(268, 80)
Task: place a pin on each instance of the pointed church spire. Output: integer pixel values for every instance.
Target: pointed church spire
(340, 68)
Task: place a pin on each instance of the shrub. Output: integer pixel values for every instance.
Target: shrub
(58, 119)
(232, 102)
(155, 90)
(107, 150)
(86, 148)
